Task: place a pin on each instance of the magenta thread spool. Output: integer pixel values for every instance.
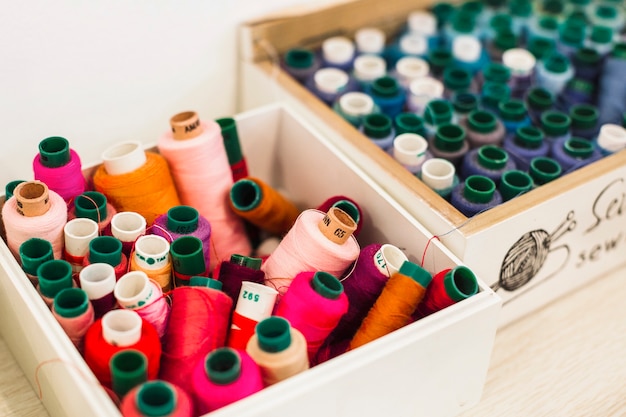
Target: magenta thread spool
(301, 64)
(489, 161)
(449, 143)
(514, 183)
(555, 125)
(59, 167)
(573, 153)
(378, 127)
(527, 143)
(236, 270)
(483, 128)
(475, 195)
(388, 95)
(544, 169)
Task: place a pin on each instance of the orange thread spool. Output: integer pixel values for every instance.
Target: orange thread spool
(263, 206)
(395, 305)
(162, 276)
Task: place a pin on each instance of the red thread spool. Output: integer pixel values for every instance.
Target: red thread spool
(254, 303)
(314, 304)
(447, 287)
(108, 250)
(157, 398)
(122, 329)
(198, 323)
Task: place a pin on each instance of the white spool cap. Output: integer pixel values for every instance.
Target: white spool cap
(356, 104)
(78, 233)
(410, 149)
(388, 259)
(369, 67)
(612, 137)
(422, 22)
(256, 301)
(121, 327)
(424, 90)
(413, 44)
(151, 252)
(330, 80)
(338, 50)
(127, 226)
(134, 290)
(519, 61)
(123, 158)
(370, 40)
(410, 68)
(438, 173)
(97, 280)
(466, 48)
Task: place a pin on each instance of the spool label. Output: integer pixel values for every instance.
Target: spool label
(337, 226)
(247, 295)
(381, 262)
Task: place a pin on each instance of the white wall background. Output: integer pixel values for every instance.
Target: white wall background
(100, 72)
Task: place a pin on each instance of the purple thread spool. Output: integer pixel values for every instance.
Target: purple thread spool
(555, 125)
(239, 269)
(338, 52)
(483, 128)
(449, 143)
(301, 64)
(378, 127)
(521, 63)
(538, 100)
(544, 169)
(574, 153)
(328, 84)
(476, 194)
(584, 121)
(514, 183)
(526, 144)
(587, 64)
(489, 161)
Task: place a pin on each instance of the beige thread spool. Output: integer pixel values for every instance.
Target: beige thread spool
(186, 125)
(32, 198)
(337, 226)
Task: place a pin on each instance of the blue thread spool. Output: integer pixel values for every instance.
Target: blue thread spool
(514, 183)
(541, 47)
(571, 37)
(468, 53)
(587, 64)
(476, 194)
(612, 92)
(544, 169)
(521, 11)
(538, 100)
(555, 125)
(553, 72)
(584, 119)
(379, 129)
(527, 143)
(544, 26)
(489, 161)
(513, 114)
(494, 72)
(574, 153)
(301, 64)
(388, 95)
(494, 93)
(612, 138)
(601, 39)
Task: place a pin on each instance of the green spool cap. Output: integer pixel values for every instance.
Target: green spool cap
(553, 6)
(587, 56)
(246, 195)
(247, 261)
(505, 39)
(606, 11)
(439, 59)
(188, 255)
(299, 58)
(129, 368)
(228, 125)
(34, 252)
(449, 137)
(460, 283)
(492, 157)
(494, 3)
(529, 137)
(385, 87)
(556, 63)
(182, 219)
(473, 7)
(273, 334)
(494, 93)
(584, 116)
(438, 112)
(105, 249)
(54, 152)
(541, 47)
(619, 50)
(482, 121)
(377, 125)
(624, 120)
(555, 123)
(349, 208)
(580, 3)
(548, 23)
(544, 169)
(513, 110)
(601, 34)
(199, 281)
(496, 72)
(577, 18)
(464, 102)
(572, 34)
(91, 205)
(578, 148)
(156, 399)
(10, 187)
(54, 276)
(464, 21)
(223, 366)
(514, 183)
(409, 123)
(457, 79)
(500, 21)
(520, 8)
(479, 189)
(443, 12)
(71, 302)
(416, 273)
(327, 285)
(540, 98)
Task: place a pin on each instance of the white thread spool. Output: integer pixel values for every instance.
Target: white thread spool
(422, 22)
(123, 158)
(127, 226)
(413, 44)
(411, 68)
(97, 280)
(388, 259)
(370, 40)
(424, 90)
(438, 173)
(612, 137)
(78, 233)
(330, 80)
(369, 67)
(409, 149)
(519, 61)
(338, 50)
(134, 290)
(466, 48)
(152, 252)
(256, 301)
(121, 327)
(356, 104)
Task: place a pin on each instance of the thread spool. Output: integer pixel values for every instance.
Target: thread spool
(475, 195)
(236, 160)
(223, 377)
(514, 183)
(34, 211)
(574, 153)
(584, 119)
(489, 161)
(612, 138)
(447, 287)
(78, 233)
(367, 68)
(234, 272)
(73, 311)
(463, 104)
(254, 304)
(127, 226)
(187, 259)
(157, 398)
(135, 180)
(59, 167)
(421, 92)
(522, 65)
(328, 84)
(107, 249)
(129, 368)
(198, 324)
(393, 308)
(527, 143)
(33, 253)
(54, 276)
(135, 291)
(278, 349)
(206, 189)
(388, 95)
(98, 281)
(467, 52)
(152, 256)
(93, 205)
(440, 175)
(263, 206)
(439, 58)
(369, 40)
(338, 52)
(409, 123)
(449, 142)
(378, 127)
(119, 330)
(513, 114)
(483, 128)
(410, 68)
(317, 242)
(493, 94)
(538, 100)
(437, 113)
(553, 72)
(410, 150)
(353, 106)
(348, 205)
(301, 63)
(555, 125)
(456, 80)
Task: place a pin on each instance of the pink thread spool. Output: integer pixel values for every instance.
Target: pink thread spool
(225, 376)
(98, 281)
(157, 399)
(255, 303)
(314, 304)
(73, 311)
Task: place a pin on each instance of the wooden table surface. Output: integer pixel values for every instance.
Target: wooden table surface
(567, 359)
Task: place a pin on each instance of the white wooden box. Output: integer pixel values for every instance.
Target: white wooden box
(530, 250)
(434, 367)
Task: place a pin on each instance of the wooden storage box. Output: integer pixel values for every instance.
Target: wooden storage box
(434, 367)
(531, 250)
